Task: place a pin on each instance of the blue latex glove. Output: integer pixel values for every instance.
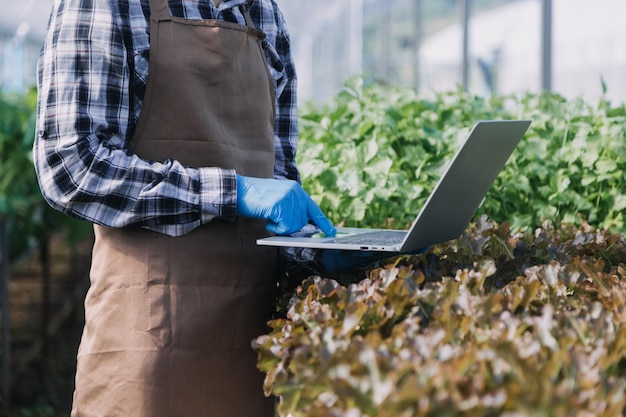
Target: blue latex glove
(342, 260)
(283, 203)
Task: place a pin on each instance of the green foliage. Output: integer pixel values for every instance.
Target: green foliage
(37, 411)
(21, 205)
(17, 176)
(19, 194)
(372, 158)
(494, 323)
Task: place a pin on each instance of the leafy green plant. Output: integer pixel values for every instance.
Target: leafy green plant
(16, 168)
(22, 207)
(494, 323)
(374, 155)
(19, 195)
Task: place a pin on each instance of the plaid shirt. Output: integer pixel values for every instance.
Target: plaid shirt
(92, 77)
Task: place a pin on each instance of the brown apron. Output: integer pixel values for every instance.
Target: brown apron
(169, 321)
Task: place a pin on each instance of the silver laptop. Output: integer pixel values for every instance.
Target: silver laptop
(449, 208)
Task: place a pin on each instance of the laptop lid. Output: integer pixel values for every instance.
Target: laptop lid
(465, 183)
(452, 203)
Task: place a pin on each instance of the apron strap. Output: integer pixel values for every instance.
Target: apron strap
(245, 10)
(159, 10)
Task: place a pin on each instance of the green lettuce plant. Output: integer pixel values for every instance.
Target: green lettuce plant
(372, 157)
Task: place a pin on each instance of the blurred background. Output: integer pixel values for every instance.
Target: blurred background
(486, 46)
(576, 48)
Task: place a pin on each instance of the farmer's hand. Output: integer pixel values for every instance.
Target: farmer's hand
(283, 203)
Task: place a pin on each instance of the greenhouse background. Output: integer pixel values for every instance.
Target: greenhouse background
(487, 46)
(568, 46)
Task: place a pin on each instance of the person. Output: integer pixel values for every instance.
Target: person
(172, 127)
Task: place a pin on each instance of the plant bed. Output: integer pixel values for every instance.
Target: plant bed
(495, 323)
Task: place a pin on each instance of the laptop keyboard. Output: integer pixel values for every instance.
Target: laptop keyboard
(380, 237)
